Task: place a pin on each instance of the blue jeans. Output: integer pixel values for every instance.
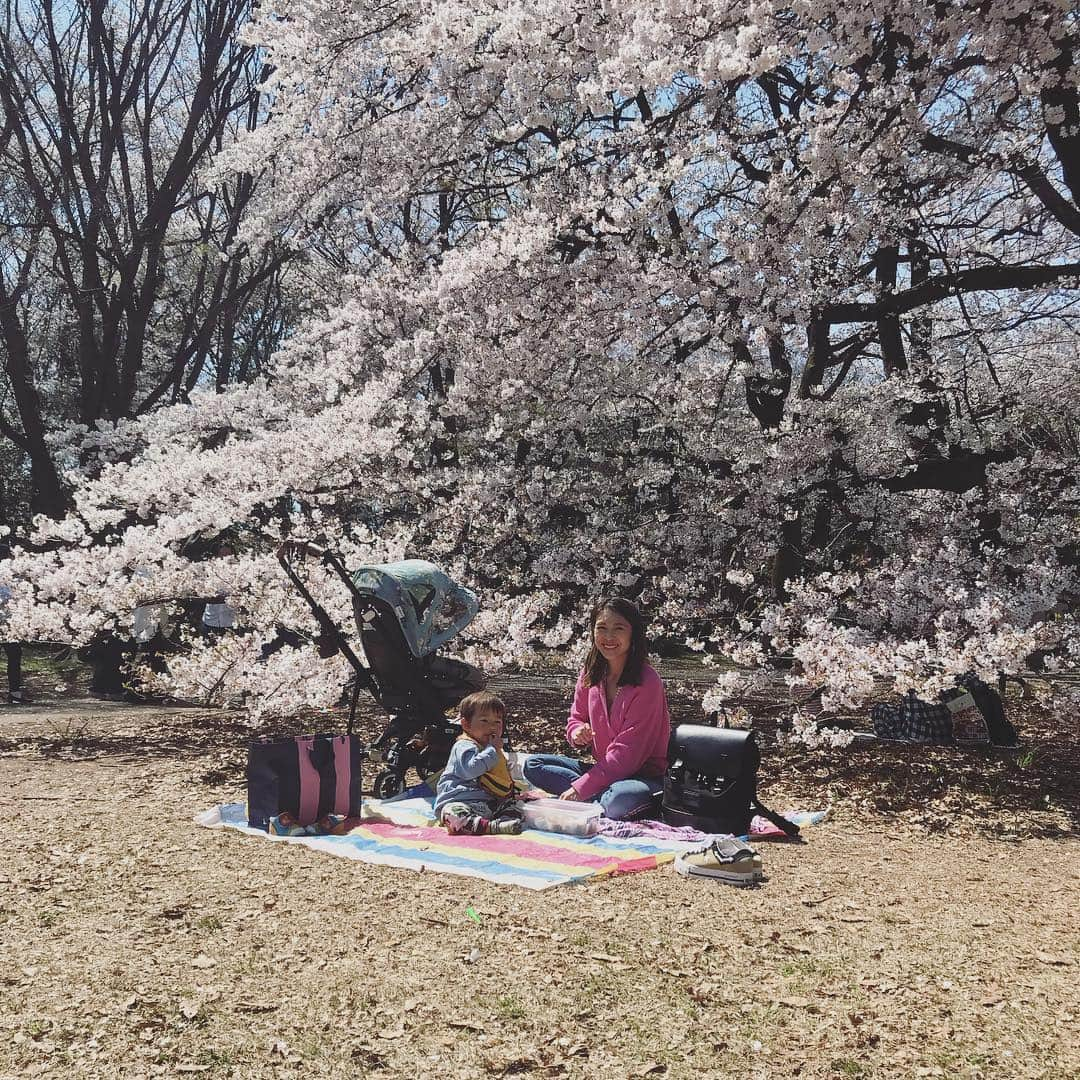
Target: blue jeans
(554, 773)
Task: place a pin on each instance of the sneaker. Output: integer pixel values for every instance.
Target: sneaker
(504, 827)
(729, 861)
(285, 824)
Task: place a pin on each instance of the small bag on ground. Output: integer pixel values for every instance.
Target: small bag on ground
(968, 722)
(307, 776)
(711, 781)
(988, 702)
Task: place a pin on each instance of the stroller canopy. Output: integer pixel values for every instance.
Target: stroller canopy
(430, 606)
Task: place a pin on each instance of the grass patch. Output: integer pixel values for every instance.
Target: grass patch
(39, 661)
(848, 1067)
(509, 1008)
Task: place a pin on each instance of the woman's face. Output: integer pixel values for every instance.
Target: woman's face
(612, 635)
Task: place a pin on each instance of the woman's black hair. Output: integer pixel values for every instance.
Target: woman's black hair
(595, 665)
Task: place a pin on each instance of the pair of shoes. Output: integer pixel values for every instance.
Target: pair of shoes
(728, 860)
(284, 824)
(504, 827)
(15, 697)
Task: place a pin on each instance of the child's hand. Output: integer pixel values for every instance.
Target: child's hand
(570, 795)
(583, 735)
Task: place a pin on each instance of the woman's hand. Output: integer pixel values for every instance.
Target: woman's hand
(570, 795)
(582, 736)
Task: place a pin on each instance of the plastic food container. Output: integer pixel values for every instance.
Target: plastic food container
(562, 816)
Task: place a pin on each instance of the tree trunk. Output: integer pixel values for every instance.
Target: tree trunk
(818, 349)
(787, 562)
(889, 336)
(48, 495)
(922, 326)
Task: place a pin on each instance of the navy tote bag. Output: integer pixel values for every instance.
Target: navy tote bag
(307, 776)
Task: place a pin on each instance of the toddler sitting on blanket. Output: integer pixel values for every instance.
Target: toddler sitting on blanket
(475, 793)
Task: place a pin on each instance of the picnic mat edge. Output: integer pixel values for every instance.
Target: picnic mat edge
(400, 833)
(532, 860)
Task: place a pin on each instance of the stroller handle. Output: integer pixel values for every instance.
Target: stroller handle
(292, 550)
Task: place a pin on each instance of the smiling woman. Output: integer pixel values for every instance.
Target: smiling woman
(619, 710)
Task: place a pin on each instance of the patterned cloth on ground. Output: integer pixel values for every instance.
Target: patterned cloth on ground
(402, 832)
(760, 828)
(912, 720)
(532, 860)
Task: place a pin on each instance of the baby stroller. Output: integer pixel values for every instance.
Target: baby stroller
(418, 735)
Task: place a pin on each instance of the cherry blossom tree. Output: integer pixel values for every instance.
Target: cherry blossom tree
(764, 314)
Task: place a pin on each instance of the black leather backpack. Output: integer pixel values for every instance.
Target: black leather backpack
(711, 781)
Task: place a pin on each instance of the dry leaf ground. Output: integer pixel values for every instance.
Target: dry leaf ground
(908, 937)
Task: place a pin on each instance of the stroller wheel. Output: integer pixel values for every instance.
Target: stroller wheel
(387, 784)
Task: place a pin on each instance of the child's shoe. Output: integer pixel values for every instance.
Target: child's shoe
(333, 825)
(504, 827)
(285, 824)
(728, 860)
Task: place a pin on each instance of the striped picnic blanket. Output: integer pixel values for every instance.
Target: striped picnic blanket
(401, 834)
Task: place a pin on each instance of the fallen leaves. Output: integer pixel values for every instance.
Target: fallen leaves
(515, 1066)
(1054, 961)
(783, 970)
(652, 1068)
(466, 1025)
(281, 1049)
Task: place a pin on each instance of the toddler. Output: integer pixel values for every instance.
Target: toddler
(475, 792)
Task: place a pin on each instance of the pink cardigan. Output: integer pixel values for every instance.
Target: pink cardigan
(632, 740)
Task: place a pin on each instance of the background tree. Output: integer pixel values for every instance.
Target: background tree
(122, 284)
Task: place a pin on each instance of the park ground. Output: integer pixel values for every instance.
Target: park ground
(929, 928)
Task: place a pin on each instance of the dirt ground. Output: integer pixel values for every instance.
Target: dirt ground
(930, 928)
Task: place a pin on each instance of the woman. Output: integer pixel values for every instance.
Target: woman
(621, 711)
